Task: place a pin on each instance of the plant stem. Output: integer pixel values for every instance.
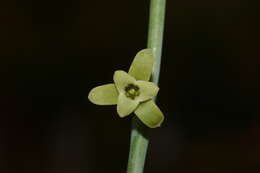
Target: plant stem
(155, 34)
(139, 134)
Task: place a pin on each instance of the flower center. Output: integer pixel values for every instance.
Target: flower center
(132, 91)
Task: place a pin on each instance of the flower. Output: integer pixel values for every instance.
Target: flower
(132, 91)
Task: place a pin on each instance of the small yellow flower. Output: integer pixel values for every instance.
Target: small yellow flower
(132, 92)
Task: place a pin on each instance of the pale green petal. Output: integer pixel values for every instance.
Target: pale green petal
(104, 95)
(125, 105)
(122, 79)
(149, 114)
(148, 90)
(142, 65)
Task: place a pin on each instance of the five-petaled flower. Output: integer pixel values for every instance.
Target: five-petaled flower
(132, 91)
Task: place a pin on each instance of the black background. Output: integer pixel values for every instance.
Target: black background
(53, 52)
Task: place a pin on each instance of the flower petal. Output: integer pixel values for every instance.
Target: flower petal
(142, 65)
(149, 114)
(147, 90)
(122, 79)
(104, 95)
(125, 105)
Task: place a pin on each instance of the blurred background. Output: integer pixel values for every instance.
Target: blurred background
(53, 52)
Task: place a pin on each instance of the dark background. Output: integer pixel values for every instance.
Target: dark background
(53, 52)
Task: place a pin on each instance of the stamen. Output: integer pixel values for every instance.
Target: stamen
(132, 91)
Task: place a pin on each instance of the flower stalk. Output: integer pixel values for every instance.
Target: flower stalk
(139, 133)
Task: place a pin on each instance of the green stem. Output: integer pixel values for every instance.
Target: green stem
(155, 34)
(139, 134)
